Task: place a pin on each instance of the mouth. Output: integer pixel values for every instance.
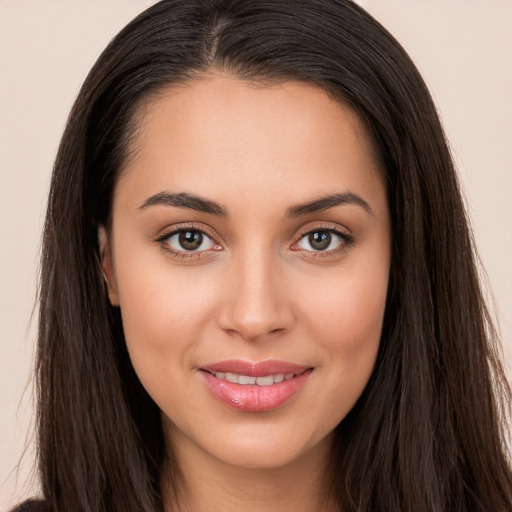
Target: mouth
(255, 387)
(248, 380)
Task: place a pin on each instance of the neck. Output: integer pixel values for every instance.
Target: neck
(209, 484)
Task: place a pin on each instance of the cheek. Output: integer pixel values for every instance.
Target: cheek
(354, 335)
(345, 318)
(349, 308)
(164, 313)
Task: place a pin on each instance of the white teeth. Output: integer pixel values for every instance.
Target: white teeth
(231, 377)
(267, 380)
(244, 379)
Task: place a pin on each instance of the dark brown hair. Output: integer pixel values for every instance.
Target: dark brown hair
(428, 433)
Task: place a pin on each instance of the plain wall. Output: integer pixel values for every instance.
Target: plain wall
(462, 47)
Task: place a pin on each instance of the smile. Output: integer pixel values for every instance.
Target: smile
(255, 387)
(247, 380)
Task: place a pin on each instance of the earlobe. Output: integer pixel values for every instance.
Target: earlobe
(107, 266)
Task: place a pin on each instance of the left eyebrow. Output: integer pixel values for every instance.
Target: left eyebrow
(330, 201)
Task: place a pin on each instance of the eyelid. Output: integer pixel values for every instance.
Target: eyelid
(183, 226)
(343, 233)
(174, 229)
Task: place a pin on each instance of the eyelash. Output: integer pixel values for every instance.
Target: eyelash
(164, 238)
(346, 241)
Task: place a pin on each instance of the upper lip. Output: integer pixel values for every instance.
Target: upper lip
(259, 369)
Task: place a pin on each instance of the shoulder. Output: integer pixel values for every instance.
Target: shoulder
(32, 506)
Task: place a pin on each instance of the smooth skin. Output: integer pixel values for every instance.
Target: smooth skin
(259, 276)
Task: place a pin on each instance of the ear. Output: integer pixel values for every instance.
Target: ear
(108, 265)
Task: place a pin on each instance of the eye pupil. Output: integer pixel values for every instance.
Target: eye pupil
(320, 240)
(190, 240)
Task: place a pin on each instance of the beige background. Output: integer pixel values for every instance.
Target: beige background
(463, 48)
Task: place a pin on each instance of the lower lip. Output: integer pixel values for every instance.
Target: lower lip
(254, 398)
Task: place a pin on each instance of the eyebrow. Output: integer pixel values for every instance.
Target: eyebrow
(330, 201)
(185, 200)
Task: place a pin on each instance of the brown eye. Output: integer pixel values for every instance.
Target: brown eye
(190, 240)
(323, 240)
(320, 240)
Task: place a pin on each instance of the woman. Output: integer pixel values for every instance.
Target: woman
(258, 285)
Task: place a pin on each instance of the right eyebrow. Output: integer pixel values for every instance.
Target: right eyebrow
(185, 200)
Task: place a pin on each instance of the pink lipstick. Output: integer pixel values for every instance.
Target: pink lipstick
(255, 387)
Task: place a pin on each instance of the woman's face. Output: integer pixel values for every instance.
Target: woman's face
(249, 254)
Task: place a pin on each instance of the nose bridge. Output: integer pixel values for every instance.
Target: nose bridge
(256, 305)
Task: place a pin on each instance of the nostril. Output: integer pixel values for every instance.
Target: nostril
(254, 315)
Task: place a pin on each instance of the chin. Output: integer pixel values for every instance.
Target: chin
(254, 457)
(268, 447)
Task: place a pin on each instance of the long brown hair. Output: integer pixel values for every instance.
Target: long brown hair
(428, 433)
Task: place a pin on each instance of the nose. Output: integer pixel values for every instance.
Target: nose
(257, 305)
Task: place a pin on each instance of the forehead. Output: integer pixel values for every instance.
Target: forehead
(219, 135)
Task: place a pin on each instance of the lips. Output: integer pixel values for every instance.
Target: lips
(255, 387)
